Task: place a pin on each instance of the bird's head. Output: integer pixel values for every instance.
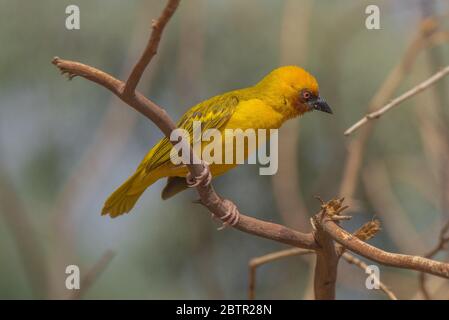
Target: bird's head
(294, 90)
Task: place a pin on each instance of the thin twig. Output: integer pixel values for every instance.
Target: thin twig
(93, 274)
(395, 102)
(441, 245)
(152, 46)
(362, 265)
(257, 262)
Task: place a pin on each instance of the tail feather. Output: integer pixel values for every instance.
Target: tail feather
(125, 197)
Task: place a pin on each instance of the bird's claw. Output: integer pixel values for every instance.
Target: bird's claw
(232, 216)
(203, 179)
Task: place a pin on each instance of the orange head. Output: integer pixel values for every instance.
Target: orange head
(293, 91)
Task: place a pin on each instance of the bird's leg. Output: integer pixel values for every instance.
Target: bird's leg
(204, 178)
(232, 216)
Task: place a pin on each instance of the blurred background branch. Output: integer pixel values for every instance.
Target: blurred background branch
(93, 274)
(29, 245)
(395, 102)
(57, 175)
(424, 38)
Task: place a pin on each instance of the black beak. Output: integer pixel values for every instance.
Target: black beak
(321, 105)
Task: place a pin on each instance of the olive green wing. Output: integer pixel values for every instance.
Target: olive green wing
(212, 113)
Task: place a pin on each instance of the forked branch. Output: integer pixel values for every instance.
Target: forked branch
(151, 49)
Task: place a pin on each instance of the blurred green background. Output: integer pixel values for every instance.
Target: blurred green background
(65, 146)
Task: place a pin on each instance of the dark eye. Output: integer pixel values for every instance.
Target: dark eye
(306, 95)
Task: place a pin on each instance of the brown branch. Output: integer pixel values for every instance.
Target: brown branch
(325, 268)
(257, 262)
(362, 265)
(93, 274)
(152, 46)
(397, 260)
(327, 255)
(395, 102)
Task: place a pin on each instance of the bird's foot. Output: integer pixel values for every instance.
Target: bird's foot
(203, 179)
(232, 216)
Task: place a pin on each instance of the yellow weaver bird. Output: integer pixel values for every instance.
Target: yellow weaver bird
(285, 93)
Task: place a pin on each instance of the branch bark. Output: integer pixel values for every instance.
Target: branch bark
(397, 260)
(327, 257)
(152, 46)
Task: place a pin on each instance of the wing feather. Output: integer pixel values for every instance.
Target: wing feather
(213, 113)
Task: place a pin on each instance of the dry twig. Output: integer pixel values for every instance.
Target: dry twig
(152, 46)
(395, 102)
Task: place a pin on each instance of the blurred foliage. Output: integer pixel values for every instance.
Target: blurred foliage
(168, 249)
